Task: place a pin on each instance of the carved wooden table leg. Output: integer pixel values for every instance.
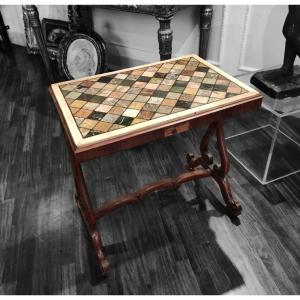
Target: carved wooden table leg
(205, 24)
(220, 171)
(88, 215)
(165, 37)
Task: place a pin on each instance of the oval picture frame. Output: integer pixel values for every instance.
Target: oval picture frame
(81, 54)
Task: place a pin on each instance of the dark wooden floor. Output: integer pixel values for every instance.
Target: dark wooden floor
(177, 242)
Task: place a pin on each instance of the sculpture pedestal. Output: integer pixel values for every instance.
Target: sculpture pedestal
(275, 86)
(268, 143)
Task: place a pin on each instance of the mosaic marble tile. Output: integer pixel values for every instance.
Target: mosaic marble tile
(117, 110)
(111, 102)
(74, 110)
(136, 105)
(141, 98)
(92, 133)
(116, 126)
(124, 120)
(131, 112)
(150, 107)
(146, 115)
(73, 95)
(164, 87)
(155, 100)
(88, 123)
(169, 102)
(84, 131)
(123, 103)
(79, 120)
(103, 108)
(96, 115)
(90, 106)
(137, 120)
(103, 126)
(158, 115)
(164, 109)
(110, 118)
(83, 113)
(97, 99)
(68, 87)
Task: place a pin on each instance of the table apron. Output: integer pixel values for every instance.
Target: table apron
(138, 139)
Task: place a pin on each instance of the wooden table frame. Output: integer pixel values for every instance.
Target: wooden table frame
(196, 167)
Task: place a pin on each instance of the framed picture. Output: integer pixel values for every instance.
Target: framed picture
(54, 31)
(81, 54)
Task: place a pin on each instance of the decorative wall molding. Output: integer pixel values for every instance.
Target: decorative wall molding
(242, 66)
(223, 27)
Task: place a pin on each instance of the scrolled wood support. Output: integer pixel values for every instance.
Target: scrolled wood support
(218, 171)
(208, 168)
(97, 245)
(206, 156)
(95, 237)
(167, 183)
(84, 204)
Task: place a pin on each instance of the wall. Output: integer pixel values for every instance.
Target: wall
(132, 38)
(247, 38)
(242, 37)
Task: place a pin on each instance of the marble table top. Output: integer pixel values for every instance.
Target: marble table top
(117, 103)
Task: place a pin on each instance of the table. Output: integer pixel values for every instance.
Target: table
(107, 113)
(164, 14)
(276, 152)
(79, 21)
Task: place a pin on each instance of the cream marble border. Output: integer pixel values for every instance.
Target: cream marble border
(81, 142)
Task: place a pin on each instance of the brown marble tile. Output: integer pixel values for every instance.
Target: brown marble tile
(146, 115)
(83, 113)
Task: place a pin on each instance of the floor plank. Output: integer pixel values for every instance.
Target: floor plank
(174, 242)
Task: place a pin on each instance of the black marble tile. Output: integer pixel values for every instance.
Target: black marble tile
(97, 99)
(220, 88)
(105, 79)
(206, 86)
(161, 94)
(144, 78)
(183, 104)
(92, 133)
(159, 75)
(180, 83)
(127, 82)
(85, 97)
(96, 115)
(177, 89)
(202, 69)
(228, 95)
(125, 121)
(65, 93)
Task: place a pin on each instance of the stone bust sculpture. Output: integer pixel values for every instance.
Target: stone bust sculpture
(291, 31)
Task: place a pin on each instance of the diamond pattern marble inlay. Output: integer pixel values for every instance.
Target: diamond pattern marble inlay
(111, 102)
